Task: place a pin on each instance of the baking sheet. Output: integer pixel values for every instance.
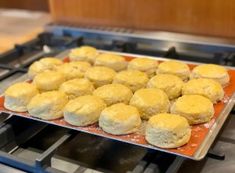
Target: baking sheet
(202, 135)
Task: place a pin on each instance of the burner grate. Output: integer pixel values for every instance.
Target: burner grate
(151, 43)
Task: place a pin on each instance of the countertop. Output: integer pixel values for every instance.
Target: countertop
(19, 26)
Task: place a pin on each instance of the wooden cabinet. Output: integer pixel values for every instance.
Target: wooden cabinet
(37, 5)
(209, 17)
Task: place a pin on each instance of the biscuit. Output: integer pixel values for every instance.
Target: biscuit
(120, 119)
(167, 131)
(83, 53)
(114, 93)
(18, 95)
(84, 110)
(133, 79)
(170, 84)
(205, 87)
(73, 70)
(145, 65)
(44, 64)
(150, 101)
(100, 75)
(77, 87)
(211, 71)
(177, 68)
(48, 81)
(48, 105)
(116, 62)
(195, 108)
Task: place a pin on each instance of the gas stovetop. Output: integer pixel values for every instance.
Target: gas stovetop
(33, 146)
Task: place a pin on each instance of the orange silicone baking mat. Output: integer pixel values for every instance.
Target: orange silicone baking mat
(199, 132)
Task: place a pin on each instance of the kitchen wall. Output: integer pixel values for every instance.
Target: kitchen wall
(204, 17)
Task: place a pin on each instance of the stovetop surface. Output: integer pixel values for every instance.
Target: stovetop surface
(83, 151)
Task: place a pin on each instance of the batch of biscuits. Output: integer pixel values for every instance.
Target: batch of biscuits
(119, 95)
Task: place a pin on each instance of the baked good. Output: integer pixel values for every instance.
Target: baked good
(211, 71)
(120, 119)
(84, 110)
(77, 87)
(167, 131)
(150, 101)
(114, 93)
(18, 95)
(113, 61)
(48, 105)
(83, 53)
(195, 108)
(73, 70)
(171, 84)
(145, 65)
(50, 80)
(177, 68)
(205, 87)
(44, 64)
(100, 75)
(133, 79)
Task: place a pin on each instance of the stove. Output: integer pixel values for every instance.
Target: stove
(29, 146)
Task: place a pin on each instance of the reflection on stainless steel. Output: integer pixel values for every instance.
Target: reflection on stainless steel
(143, 36)
(17, 62)
(2, 72)
(7, 169)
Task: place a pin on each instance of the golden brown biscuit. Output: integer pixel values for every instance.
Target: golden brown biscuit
(100, 75)
(211, 71)
(171, 84)
(205, 87)
(48, 105)
(113, 61)
(150, 101)
(18, 95)
(177, 68)
(83, 53)
(120, 119)
(73, 70)
(44, 64)
(114, 93)
(84, 110)
(77, 87)
(168, 131)
(145, 65)
(48, 81)
(133, 79)
(195, 108)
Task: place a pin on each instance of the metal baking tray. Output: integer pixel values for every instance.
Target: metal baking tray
(203, 135)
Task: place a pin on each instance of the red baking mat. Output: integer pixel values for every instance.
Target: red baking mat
(199, 132)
